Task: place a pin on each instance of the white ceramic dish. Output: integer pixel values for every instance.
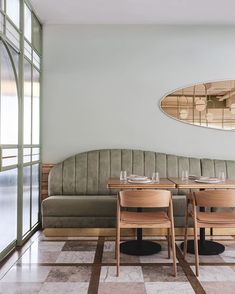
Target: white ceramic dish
(147, 181)
(208, 181)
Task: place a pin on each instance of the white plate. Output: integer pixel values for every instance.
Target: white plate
(208, 181)
(140, 182)
(137, 178)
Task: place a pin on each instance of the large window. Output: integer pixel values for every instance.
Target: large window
(20, 59)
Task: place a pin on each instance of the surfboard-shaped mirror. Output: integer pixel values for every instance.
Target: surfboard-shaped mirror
(209, 105)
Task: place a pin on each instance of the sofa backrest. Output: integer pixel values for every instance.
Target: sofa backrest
(87, 173)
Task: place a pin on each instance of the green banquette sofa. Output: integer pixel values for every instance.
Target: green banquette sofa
(78, 194)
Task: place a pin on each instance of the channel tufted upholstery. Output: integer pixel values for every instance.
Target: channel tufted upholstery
(86, 175)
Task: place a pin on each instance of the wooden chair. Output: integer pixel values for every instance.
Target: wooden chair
(210, 198)
(159, 219)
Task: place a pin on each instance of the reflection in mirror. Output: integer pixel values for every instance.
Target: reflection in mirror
(209, 105)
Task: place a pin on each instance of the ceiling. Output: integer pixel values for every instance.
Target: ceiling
(175, 12)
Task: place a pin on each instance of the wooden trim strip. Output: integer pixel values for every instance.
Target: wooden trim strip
(193, 280)
(96, 269)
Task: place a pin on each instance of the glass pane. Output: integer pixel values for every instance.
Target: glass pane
(9, 100)
(9, 157)
(27, 102)
(26, 199)
(36, 60)
(15, 57)
(27, 50)
(27, 155)
(27, 23)
(35, 193)
(2, 5)
(8, 207)
(12, 35)
(35, 154)
(36, 34)
(1, 22)
(13, 11)
(36, 108)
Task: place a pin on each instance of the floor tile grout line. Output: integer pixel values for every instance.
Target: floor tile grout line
(193, 280)
(96, 267)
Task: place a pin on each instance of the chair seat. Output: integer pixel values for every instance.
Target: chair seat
(216, 217)
(144, 217)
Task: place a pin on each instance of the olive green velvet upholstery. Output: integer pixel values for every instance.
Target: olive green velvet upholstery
(78, 186)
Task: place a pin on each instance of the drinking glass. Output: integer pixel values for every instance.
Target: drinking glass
(155, 177)
(184, 175)
(123, 176)
(222, 176)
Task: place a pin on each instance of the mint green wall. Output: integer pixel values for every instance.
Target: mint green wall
(102, 86)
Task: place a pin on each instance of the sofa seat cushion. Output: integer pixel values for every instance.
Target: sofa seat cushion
(77, 205)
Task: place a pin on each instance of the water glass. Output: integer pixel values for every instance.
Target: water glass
(184, 175)
(123, 176)
(222, 176)
(155, 177)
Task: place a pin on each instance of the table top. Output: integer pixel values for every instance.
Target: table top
(191, 184)
(114, 183)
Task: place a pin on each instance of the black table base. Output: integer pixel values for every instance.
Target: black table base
(207, 248)
(140, 247)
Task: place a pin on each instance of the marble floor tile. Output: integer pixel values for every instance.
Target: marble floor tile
(79, 246)
(205, 258)
(76, 257)
(127, 274)
(69, 274)
(109, 246)
(160, 257)
(169, 288)
(153, 273)
(20, 288)
(27, 273)
(48, 246)
(38, 256)
(62, 288)
(215, 273)
(121, 288)
(229, 245)
(228, 256)
(219, 287)
(108, 257)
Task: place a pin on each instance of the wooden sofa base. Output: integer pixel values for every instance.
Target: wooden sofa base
(94, 232)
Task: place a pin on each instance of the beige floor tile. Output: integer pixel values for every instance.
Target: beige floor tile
(20, 288)
(76, 257)
(69, 274)
(215, 274)
(62, 288)
(121, 288)
(153, 273)
(127, 274)
(169, 288)
(27, 273)
(219, 287)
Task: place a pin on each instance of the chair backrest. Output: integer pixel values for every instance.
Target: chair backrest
(145, 198)
(215, 198)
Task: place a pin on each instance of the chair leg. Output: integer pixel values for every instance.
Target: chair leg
(196, 249)
(186, 233)
(118, 250)
(173, 250)
(115, 249)
(168, 243)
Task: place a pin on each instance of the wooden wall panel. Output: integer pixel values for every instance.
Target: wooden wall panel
(44, 179)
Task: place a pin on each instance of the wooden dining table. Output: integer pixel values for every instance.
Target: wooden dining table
(205, 247)
(139, 246)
